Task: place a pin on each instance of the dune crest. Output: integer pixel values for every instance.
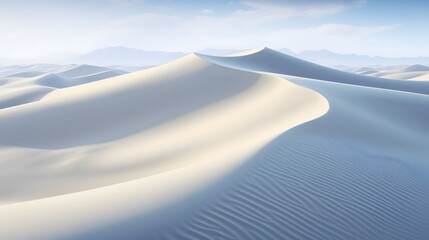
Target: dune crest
(146, 123)
(267, 60)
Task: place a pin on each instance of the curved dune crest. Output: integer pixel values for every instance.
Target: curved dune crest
(145, 123)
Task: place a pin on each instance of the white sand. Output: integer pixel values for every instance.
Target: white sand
(197, 149)
(29, 83)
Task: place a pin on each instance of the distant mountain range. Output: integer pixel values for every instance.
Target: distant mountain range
(113, 56)
(124, 56)
(327, 58)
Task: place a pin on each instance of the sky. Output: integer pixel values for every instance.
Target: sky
(43, 28)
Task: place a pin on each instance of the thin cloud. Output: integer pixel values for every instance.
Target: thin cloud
(283, 10)
(126, 2)
(345, 30)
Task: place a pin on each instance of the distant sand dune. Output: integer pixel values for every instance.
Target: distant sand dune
(270, 61)
(413, 72)
(26, 84)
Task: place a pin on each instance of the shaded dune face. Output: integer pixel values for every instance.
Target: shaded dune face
(358, 172)
(315, 188)
(211, 148)
(23, 96)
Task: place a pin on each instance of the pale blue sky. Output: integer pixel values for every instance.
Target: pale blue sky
(41, 28)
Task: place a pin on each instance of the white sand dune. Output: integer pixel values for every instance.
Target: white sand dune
(73, 71)
(94, 77)
(27, 70)
(135, 120)
(26, 74)
(416, 68)
(270, 61)
(404, 75)
(414, 72)
(202, 148)
(368, 72)
(25, 84)
(20, 96)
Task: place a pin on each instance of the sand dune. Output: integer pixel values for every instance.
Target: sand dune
(26, 74)
(418, 75)
(337, 177)
(368, 72)
(22, 96)
(400, 75)
(270, 61)
(25, 84)
(73, 71)
(416, 68)
(219, 148)
(25, 69)
(424, 77)
(95, 77)
(118, 121)
(413, 72)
